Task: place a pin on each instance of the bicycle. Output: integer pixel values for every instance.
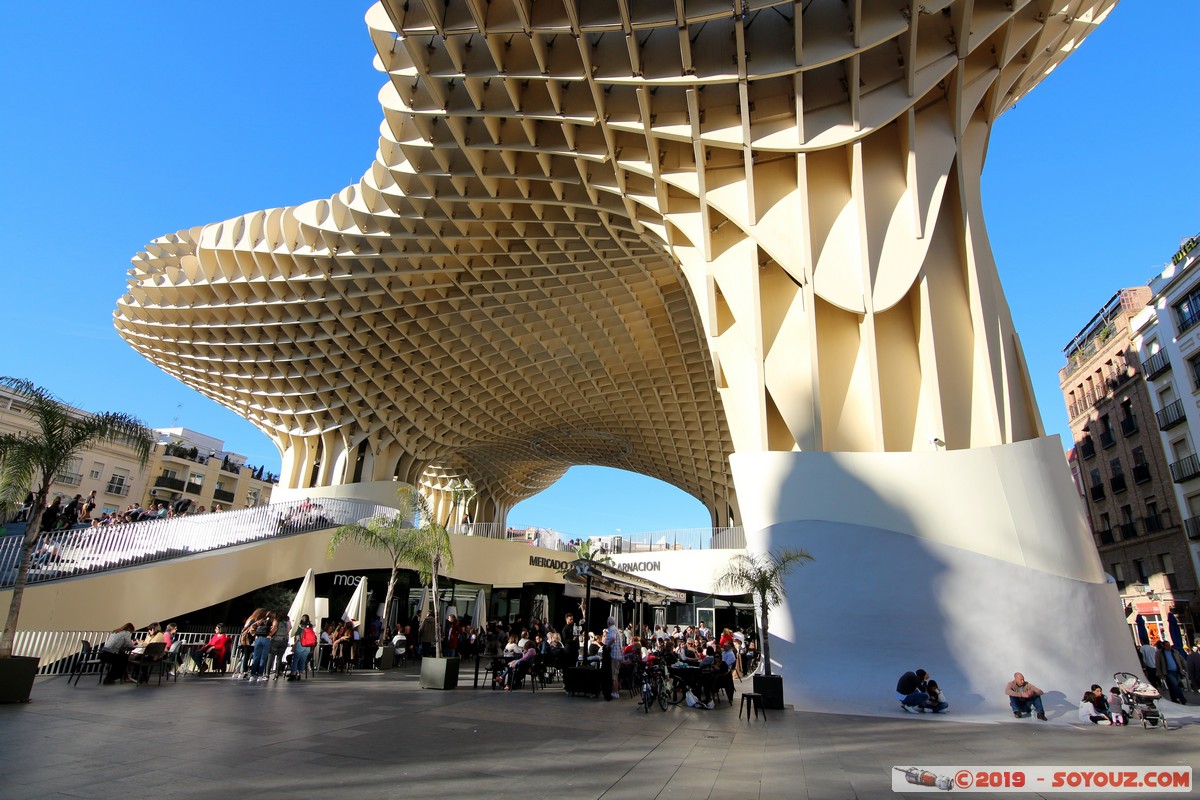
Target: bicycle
(654, 688)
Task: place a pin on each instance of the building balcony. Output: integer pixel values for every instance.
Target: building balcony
(1107, 439)
(1170, 415)
(1087, 448)
(1117, 484)
(1129, 426)
(1127, 530)
(193, 488)
(68, 478)
(119, 489)
(1141, 473)
(1153, 523)
(1192, 526)
(223, 496)
(1185, 469)
(1097, 492)
(1156, 364)
(169, 483)
(1106, 536)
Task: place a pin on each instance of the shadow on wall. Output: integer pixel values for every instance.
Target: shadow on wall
(879, 601)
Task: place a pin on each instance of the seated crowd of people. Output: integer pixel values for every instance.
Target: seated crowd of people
(268, 644)
(80, 513)
(302, 517)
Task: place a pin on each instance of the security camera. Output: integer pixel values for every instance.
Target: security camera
(936, 442)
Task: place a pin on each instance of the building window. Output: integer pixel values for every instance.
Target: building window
(1118, 477)
(1119, 576)
(1139, 569)
(1154, 521)
(1107, 437)
(96, 471)
(196, 478)
(1128, 530)
(169, 473)
(1187, 312)
(1168, 568)
(1141, 469)
(1194, 369)
(118, 482)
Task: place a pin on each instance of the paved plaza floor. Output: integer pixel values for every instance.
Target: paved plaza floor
(378, 735)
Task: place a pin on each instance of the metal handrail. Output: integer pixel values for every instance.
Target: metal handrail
(729, 538)
(81, 551)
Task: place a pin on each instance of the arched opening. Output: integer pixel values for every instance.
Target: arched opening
(590, 501)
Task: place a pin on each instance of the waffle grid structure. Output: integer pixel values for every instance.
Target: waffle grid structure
(638, 234)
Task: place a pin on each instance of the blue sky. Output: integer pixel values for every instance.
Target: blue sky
(129, 120)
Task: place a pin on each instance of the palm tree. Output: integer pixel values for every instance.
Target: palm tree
(589, 552)
(60, 435)
(389, 534)
(761, 576)
(586, 551)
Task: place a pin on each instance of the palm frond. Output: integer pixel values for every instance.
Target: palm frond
(60, 433)
(761, 574)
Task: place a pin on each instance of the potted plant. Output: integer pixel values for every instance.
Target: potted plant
(761, 576)
(389, 534)
(425, 546)
(60, 434)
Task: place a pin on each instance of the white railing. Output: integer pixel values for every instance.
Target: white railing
(85, 550)
(732, 538)
(66, 554)
(58, 651)
(488, 530)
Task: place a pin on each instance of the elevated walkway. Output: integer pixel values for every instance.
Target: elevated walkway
(99, 579)
(85, 551)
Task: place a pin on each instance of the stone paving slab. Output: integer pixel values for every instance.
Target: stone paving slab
(339, 736)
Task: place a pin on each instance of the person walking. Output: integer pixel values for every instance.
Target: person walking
(1170, 670)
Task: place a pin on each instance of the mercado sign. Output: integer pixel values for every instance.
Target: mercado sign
(549, 563)
(640, 566)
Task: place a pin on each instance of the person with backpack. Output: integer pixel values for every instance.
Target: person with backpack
(276, 658)
(306, 640)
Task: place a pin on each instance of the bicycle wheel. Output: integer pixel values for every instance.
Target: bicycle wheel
(677, 692)
(647, 695)
(661, 692)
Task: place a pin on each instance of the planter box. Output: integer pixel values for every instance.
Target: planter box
(771, 689)
(583, 680)
(439, 673)
(16, 678)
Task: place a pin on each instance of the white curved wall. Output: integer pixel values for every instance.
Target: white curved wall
(971, 564)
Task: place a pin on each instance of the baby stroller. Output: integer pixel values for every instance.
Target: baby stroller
(1138, 699)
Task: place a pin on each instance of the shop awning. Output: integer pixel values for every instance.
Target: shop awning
(613, 582)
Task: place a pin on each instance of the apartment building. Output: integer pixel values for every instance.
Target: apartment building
(1127, 480)
(112, 471)
(189, 465)
(1167, 338)
(183, 463)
